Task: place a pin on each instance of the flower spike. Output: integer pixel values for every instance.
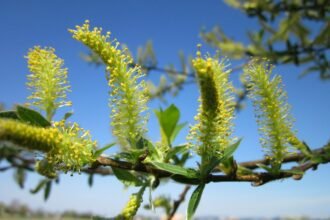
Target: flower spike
(128, 96)
(67, 147)
(272, 110)
(212, 134)
(48, 80)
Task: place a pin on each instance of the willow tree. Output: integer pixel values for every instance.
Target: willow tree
(65, 147)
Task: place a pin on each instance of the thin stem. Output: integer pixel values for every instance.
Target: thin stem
(178, 202)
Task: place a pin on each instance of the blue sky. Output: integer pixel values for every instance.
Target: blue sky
(172, 26)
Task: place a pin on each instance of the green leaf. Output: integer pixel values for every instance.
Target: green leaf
(141, 143)
(194, 201)
(124, 156)
(174, 169)
(168, 120)
(243, 170)
(177, 129)
(90, 180)
(213, 163)
(153, 152)
(20, 177)
(263, 166)
(9, 114)
(101, 150)
(67, 115)
(47, 190)
(151, 183)
(185, 156)
(176, 150)
(40, 185)
(126, 177)
(229, 151)
(31, 116)
(144, 144)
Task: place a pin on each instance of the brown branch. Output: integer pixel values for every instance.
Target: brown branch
(100, 170)
(169, 71)
(178, 202)
(290, 158)
(256, 178)
(145, 168)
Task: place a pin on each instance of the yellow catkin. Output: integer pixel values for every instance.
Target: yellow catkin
(128, 93)
(67, 147)
(211, 135)
(132, 206)
(272, 110)
(47, 80)
(31, 137)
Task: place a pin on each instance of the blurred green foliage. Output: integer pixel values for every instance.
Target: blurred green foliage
(290, 32)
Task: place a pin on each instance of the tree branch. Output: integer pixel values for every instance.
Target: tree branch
(178, 202)
(256, 178)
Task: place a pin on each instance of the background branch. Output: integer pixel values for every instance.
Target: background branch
(178, 202)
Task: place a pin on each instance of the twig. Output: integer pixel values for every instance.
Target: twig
(178, 202)
(5, 168)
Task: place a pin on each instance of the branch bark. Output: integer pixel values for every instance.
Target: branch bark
(178, 202)
(102, 164)
(256, 178)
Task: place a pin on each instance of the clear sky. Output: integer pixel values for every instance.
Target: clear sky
(172, 26)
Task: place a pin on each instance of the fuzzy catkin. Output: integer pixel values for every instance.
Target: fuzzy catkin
(67, 148)
(272, 110)
(47, 80)
(132, 206)
(31, 137)
(128, 95)
(211, 135)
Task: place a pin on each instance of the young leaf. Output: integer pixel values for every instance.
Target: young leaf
(101, 150)
(263, 166)
(213, 163)
(47, 190)
(151, 183)
(20, 177)
(168, 120)
(90, 180)
(31, 116)
(229, 151)
(174, 169)
(194, 201)
(177, 129)
(143, 143)
(243, 170)
(40, 185)
(152, 151)
(185, 156)
(127, 178)
(9, 114)
(175, 150)
(67, 115)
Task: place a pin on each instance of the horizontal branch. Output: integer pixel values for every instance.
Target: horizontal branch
(256, 178)
(290, 158)
(102, 167)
